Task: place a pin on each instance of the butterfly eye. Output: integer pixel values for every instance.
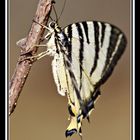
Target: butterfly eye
(52, 25)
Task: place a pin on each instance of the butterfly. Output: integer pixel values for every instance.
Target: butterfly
(84, 56)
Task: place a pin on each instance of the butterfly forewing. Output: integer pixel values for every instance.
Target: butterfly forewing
(95, 49)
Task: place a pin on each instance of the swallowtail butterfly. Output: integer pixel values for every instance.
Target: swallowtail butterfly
(85, 54)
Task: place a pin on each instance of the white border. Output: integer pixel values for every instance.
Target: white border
(133, 64)
(6, 51)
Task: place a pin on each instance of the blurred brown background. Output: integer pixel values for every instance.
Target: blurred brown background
(41, 113)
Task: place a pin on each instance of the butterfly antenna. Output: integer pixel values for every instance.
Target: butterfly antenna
(53, 2)
(55, 13)
(62, 10)
(45, 27)
(51, 18)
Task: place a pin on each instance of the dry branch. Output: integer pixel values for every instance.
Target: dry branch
(23, 67)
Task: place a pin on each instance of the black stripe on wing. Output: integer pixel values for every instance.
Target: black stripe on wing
(73, 79)
(96, 34)
(85, 26)
(102, 33)
(81, 50)
(112, 44)
(114, 61)
(69, 35)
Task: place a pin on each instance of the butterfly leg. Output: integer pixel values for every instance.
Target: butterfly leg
(45, 27)
(35, 57)
(40, 55)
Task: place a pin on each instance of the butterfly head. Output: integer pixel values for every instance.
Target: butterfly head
(54, 26)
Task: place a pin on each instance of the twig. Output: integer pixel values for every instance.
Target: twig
(23, 67)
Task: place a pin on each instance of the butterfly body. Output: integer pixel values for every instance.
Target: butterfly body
(85, 55)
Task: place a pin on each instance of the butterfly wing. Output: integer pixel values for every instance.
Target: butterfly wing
(88, 53)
